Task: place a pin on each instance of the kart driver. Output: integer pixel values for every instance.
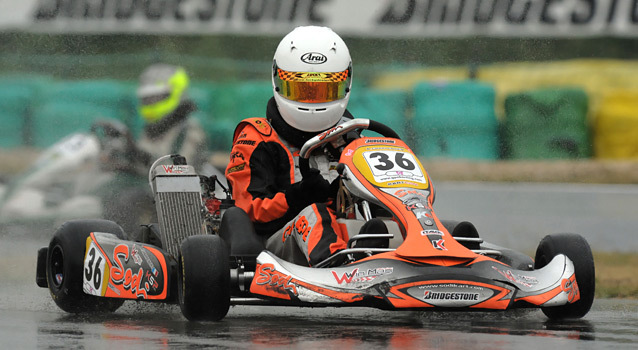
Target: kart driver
(166, 110)
(311, 79)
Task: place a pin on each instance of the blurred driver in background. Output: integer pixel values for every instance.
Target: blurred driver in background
(166, 110)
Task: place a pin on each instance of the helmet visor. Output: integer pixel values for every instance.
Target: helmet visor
(312, 87)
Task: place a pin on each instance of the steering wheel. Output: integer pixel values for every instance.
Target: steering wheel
(116, 144)
(110, 128)
(336, 132)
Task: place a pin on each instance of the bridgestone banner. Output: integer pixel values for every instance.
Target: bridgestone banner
(363, 18)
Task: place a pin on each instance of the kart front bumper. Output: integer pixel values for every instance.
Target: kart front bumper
(398, 284)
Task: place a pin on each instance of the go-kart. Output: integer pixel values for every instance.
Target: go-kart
(82, 175)
(86, 174)
(204, 253)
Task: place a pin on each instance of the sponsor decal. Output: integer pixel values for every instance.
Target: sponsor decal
(149, 261)
(439, 244)
(268, 275)
(380, 141)
(242, 135)
(526, 281)
(357, 275)
(236, 155)
(236, 168)
(139, 282)
(435, 236)
(151, 277)
(421, 210)
(451, 294)
(135, 254)
(430, 295)
(326, 133)
(402, 173)
(401, 193)
(569, 286)
(314, 58)
(407, 183)
(175, 169)
(432, 232)
(418, 205)
(421, 214)
(414, 206)
(389, 18)
(301, 226)
(509, 18)
(263, 126)
(245, 142)
(349, 152)
(88, 289)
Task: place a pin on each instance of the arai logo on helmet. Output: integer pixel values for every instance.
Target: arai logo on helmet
(314, 58)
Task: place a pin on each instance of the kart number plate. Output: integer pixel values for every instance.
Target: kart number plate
(94, 274)
(388, 166)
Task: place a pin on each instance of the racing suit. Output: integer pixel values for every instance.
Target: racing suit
(262, 169)
(128, 194)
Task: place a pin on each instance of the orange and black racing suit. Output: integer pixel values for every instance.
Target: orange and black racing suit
(262, 167)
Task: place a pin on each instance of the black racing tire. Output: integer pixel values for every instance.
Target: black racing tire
(203, 278)
(464, 229)
(576, 248)
(65, 265)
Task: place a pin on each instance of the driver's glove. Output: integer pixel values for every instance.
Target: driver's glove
(313, 188)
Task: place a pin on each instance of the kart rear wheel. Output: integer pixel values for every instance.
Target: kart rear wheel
(203, 278)
(65, 265)
(576, 248)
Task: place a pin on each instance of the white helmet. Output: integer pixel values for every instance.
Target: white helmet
(311, 78)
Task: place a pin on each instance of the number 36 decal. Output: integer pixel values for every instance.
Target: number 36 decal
(391, 165)
(93, 271)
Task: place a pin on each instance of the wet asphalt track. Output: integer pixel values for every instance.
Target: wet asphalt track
(605, 215)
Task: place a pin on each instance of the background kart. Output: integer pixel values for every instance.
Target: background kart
(204, 253)
(85, 174)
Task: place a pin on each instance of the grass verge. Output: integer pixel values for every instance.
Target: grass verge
(616, 275)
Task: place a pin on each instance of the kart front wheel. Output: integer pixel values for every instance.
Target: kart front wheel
(203, 281)
(65, 265)
(576, 248)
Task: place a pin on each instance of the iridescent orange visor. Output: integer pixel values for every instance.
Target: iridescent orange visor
(312, 87)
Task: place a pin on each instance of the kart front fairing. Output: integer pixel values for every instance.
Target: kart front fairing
(429, 268)
(390, 282)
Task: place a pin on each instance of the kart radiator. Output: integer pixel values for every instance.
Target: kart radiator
(178, 201)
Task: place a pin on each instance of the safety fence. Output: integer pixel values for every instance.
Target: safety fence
(551, 110)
